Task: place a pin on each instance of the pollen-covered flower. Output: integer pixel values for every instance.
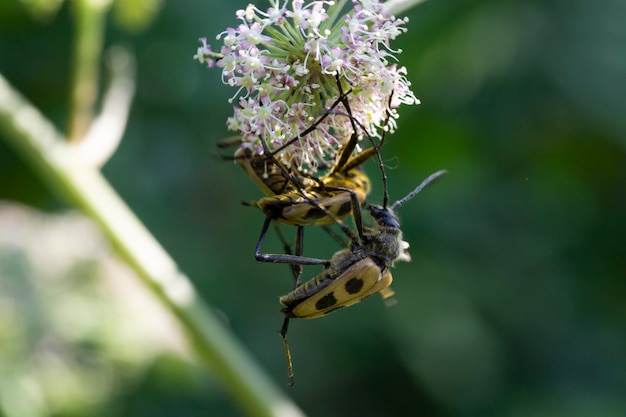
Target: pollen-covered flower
(285, 63)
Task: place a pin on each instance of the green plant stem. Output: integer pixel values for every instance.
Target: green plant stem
(36, 139)
(90, 19)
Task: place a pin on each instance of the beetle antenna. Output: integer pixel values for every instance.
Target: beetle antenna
(375, 146)
(384, 176)
(416, 191)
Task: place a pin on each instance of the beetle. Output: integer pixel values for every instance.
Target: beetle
(353, 273)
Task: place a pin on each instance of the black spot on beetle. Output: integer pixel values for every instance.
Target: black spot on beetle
(314, 213)
(354, 285)
(326, 301)
(344, 209)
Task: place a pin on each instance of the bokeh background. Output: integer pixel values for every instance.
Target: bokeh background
(514, 304)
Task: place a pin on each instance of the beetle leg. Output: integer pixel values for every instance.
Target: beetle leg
(283, 334)
(297, 268)
(282, 258)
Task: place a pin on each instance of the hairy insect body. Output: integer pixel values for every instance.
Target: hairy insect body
(385, 247)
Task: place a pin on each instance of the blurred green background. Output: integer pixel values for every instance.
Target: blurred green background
(514, 304)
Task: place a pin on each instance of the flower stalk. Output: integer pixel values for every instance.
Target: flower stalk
(36, 139)
(90, 19)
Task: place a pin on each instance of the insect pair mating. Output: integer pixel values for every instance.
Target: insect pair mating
(353, 273)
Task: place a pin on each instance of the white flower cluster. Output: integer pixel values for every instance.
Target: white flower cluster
(285, 63)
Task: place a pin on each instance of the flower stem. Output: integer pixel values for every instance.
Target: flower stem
(36, 139)
(90, 19)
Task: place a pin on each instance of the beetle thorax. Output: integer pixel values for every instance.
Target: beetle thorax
(384, 246)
